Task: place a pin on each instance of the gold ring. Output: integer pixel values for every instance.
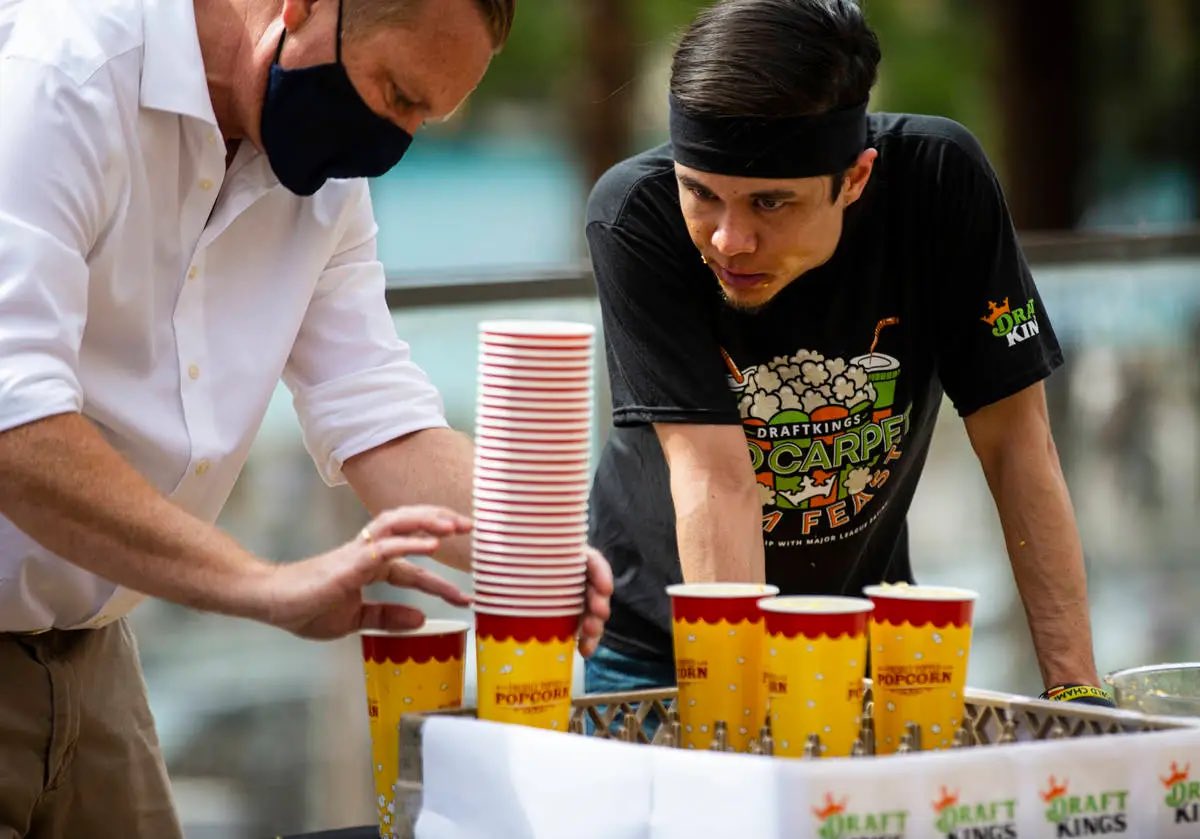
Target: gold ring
(370, 540)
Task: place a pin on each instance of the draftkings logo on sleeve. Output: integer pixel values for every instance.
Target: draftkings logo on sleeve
(1014, 325)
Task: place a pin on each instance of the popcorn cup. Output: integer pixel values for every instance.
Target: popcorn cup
(920, 645)
(524, 661)
(814, 657)
(718, 632)
(407, 672)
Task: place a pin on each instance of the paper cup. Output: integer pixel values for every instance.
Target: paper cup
(920, 645)
(567, 536)
(407, 672)
(498, 445)
(718, 636)
(578, 377)
(814, 658)
(503, 578)
(491, 391)
(536, 482)
(550, 499)
(538, 598)
(547, 330)
(507, 353)
(568, 593)
(533, 511)
(561, 477)
(505, 518)
(524, 666)
(531, 572)
(487, 460)
(526, 551)
(507, 530)
(565, 559)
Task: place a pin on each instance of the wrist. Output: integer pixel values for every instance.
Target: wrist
(1085, 694)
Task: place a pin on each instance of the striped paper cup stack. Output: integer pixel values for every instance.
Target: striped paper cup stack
(532, 437)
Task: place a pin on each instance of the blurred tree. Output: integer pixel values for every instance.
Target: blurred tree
(1036, 76)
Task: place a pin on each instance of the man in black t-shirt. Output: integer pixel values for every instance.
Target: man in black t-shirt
(794, 279)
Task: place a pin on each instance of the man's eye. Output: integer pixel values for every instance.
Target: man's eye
(769, 204)
(701, 193)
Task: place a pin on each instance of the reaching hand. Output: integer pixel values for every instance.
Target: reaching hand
(321, 597)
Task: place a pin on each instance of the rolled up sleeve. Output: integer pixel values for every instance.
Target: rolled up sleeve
(353, 381)
(55, 173)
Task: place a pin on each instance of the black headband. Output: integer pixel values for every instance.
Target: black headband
(768, 147)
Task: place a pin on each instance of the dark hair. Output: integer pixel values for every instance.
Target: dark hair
(776, 58)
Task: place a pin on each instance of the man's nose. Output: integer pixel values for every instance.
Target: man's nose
(733, 236)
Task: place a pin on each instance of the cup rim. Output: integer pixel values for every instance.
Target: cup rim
(504, 444)
(526, 383)
(546, 560)
(536, 328)
(723, 591)
(922, 594)
(529, 600)
(492, 373)
(509, 612)
(794, 604)
(528, 570)
(539, 351)
(432, 626)
(566, 590)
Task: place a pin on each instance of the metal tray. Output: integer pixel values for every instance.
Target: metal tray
(991, 719)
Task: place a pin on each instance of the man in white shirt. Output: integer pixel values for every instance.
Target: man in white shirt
(169, 248)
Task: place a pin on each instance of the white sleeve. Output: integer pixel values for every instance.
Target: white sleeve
(56, 171)
(353, 382)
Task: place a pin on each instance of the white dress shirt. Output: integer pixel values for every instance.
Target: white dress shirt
(162, 296)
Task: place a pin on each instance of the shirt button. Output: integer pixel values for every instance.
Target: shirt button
(193, 371)
(202, 467)
(193, 272)
(206, 184)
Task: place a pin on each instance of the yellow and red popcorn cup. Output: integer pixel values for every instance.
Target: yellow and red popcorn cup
(920, 645)
(814, 658)
(524, 661)
(407, 672)
(718, 632)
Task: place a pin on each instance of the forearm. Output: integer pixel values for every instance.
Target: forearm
(433, 466)
(719, 529)
(70, 491)
(1047, 559)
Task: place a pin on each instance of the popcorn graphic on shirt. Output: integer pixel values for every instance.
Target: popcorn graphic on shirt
(821, 431)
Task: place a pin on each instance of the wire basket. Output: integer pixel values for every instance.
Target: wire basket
(647, 716)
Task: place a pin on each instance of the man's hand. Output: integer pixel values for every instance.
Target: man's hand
(599, 590)
(321, 597)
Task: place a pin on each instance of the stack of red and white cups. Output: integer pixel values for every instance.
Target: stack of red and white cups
(533, 433)
(532, 437)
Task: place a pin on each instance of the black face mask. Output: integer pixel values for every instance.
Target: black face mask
(315, 126)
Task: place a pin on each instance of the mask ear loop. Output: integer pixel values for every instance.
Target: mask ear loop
(279, 49)
(341, 5)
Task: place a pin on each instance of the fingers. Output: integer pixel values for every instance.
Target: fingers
(599, 573)
(406, 575)
(591, 630)
(418, 519)
(390, 616)
(599, 590)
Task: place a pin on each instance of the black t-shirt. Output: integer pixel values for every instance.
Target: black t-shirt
(836, 382)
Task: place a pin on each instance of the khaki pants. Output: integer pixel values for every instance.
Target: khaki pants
(79, 758)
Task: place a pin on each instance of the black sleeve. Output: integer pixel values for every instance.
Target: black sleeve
(994, 338)
(664, 358)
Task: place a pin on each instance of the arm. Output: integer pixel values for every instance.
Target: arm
(63, 484)
(429, 467)
(68, 489)
(718, 514)
(1016, 450)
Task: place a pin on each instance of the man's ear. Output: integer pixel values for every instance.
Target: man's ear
(857, 176)
(296, 13)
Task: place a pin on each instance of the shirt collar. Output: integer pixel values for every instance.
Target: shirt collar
(172, 66)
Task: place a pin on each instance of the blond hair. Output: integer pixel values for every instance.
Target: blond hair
(363, 14)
